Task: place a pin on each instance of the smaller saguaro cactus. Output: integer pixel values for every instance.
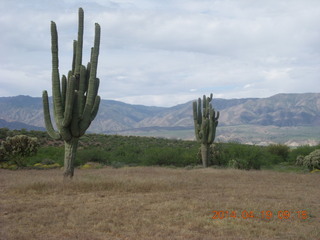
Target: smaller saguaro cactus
(205, 124)
(75, 99)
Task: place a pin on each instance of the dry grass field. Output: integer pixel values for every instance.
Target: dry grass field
(157, 203)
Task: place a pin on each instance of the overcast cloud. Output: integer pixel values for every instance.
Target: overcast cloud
(166, 52)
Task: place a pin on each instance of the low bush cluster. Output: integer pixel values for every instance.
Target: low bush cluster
(311, 161)
(15, 149)
(241, 156)
(118, 151)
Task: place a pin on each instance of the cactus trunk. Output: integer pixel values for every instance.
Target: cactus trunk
(205, 154)
(70, 151)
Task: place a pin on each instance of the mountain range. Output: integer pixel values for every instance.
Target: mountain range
(281, 111)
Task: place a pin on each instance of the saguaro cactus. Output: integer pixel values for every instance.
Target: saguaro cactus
(205, 124)
(75, 99)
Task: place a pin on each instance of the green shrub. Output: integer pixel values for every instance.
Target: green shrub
(47, 155)
(279, 150)
(17, 148)
(91, 165)
(46, 166)
(4, 132)
(243, 156)
(311, 161)
(95, 154)
(301, 151)
(161, 156)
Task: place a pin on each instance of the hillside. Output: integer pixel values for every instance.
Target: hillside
(294, 111)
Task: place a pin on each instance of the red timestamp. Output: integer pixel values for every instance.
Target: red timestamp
(268, 215)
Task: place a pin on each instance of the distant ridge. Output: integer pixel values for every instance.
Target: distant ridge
(114, 117)
(18, 125)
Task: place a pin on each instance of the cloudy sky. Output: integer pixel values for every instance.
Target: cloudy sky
(167, 52)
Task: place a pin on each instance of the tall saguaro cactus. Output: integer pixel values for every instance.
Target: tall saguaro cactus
(75, 99)
(205, 124)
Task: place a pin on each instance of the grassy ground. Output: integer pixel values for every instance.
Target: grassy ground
(157, 203)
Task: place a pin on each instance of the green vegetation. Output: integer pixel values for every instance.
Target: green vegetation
(14, 149)
(118, 151)
(205, 124)
(75, 100)
(311, 161)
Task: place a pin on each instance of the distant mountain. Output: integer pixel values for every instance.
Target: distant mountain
(19, 125)
(281, 110)
(24, 109)
(116, 116)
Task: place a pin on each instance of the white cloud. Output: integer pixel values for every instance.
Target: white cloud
(165, 52)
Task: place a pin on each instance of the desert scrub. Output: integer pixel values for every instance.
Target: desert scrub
(280, 151)
(6, 165)
(46, 166)
(16, 149)
(311, 161)
(46, 155)
(301, 151)
(91, 165)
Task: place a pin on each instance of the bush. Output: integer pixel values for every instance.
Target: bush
(47, 155)
(46, 166)
(161, 156)
(17, 148)
(97, 155)
(301, 151)
(279, 150)
(243, 156)
(91, 165)
(311, 161)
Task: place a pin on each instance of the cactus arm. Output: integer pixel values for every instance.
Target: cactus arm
(195, 120)
(96, 86)
(75, 117)
(208, 106)
(211, 126)
(95, 108)
(88, 70)
(83, 79)
(47, 119)
(86, 115)
(63, 89)
(93, 69)
(199, 112)
(75, 43)
(204, 106)
(78, 60)
(82, 90)
(69, 102)
(195, 113)
(218, 114)
(215, 129)
(95, 52)
(56, 94)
